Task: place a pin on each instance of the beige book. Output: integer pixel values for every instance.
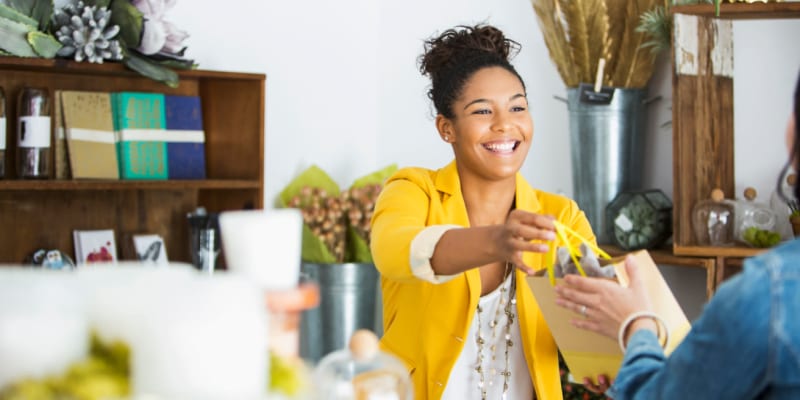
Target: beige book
(61, 162)
(90, 135)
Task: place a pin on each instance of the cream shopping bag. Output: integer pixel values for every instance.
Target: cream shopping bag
(589, 354)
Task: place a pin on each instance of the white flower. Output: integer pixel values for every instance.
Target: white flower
(158, 34)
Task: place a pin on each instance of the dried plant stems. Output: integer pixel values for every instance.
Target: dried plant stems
(580, 32)
(555, 38)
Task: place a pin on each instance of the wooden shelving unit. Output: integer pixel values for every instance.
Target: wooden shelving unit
(665, 256)
(43, 213)
(742, 11)
(709, 251)
(702, 114)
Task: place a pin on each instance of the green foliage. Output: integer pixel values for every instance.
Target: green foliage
(14, 37)
(150, 69)
(130, 22)
(43, 44)
(16, 16)
(41, 11)
(26, 31)
(657, 23)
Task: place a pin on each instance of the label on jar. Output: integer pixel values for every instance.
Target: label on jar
(33, 131)
(2, 133)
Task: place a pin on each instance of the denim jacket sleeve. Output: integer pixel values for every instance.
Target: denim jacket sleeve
(723, 356)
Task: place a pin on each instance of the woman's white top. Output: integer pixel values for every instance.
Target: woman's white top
(464, 380)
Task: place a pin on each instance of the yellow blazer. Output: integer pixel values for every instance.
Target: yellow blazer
(425, 324)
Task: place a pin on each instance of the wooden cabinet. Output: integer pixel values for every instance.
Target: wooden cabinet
(702, 113)
(43, 213)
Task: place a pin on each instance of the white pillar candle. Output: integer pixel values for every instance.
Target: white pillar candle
(264, 245)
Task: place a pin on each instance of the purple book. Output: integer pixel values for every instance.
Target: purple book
(186, 154)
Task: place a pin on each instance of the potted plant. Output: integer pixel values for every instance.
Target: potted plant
(133, 32)
(601, 56)
(336, 255)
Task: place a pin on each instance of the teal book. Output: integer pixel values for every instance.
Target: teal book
(140, 124)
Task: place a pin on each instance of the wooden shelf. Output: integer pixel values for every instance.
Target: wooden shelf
(9, 63)
(217, 184)
(742, 11)
(710, 251)
(666, 256)
(43, 213)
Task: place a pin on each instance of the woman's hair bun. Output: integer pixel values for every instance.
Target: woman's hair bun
(465, 42)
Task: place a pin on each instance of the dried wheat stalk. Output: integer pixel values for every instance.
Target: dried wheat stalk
(580, 32)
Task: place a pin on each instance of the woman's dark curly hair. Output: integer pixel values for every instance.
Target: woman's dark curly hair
(454, 56)
(794, 153)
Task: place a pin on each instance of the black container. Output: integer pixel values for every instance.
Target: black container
(204, 240)
(33, 134)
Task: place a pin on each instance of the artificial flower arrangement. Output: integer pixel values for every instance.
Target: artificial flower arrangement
(335, 222)
(133, 32)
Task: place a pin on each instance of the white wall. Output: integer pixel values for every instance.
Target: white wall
(344, 91)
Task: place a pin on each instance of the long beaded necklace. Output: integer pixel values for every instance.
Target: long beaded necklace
(508, 303)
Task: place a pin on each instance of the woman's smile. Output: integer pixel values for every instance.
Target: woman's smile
(502, 147)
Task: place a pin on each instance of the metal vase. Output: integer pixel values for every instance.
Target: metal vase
(607, 151)
(348, 301)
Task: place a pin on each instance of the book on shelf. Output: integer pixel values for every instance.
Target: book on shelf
(150, 249)
(94, 246)
(186, 155)
(139, 121)
(90, 138)
(60, 160)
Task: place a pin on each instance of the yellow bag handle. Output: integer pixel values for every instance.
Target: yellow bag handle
(563, 233)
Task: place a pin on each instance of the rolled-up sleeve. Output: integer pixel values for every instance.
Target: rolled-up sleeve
(422, 248)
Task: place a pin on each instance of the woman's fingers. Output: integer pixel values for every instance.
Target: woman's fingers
(582, 294)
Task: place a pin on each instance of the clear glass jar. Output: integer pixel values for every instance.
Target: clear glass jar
(33, 134)
(639, 219)
(755, 222)
(2, 133)
(713, 220)
(362, 371)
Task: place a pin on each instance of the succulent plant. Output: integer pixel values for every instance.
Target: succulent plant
(86, 34)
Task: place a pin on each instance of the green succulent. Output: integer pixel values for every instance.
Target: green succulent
(657, 23)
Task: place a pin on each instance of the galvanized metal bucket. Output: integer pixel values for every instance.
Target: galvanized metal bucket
(607, 151)
(349, 300)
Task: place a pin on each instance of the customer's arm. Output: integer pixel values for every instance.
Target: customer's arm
(723, 357)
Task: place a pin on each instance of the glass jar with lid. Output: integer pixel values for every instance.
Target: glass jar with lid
(33, 134)
(755, 221)
(362, 372)
(713, 220)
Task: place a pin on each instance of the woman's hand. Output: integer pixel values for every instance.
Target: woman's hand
(603, 383)
(518, 232)
(604, 304)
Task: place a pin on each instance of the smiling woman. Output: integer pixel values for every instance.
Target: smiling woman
(452, 245)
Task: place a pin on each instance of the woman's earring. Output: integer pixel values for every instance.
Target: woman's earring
(447, 138)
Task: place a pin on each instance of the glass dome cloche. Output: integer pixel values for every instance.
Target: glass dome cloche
(362, 372)
(640, 219)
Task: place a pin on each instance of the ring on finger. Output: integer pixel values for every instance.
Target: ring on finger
(583, 311)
